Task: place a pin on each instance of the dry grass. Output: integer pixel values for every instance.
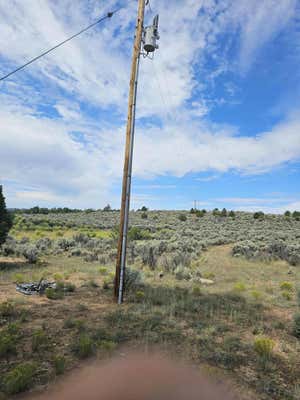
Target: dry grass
(214, 327)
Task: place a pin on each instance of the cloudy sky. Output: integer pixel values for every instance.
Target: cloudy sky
(218, 117)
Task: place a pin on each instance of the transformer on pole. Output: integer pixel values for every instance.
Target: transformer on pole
(148, 37)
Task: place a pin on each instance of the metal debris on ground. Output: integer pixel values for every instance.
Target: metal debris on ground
(35, 287)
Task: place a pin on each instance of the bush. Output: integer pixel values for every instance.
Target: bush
(144, 215)
(103, 270)
(19, 379)
(59, 365)
(296, 325)
(239, 287)
(54, 294)
(136, 233)
(133, 279)
(84, 346)
(287, 295)
(259, 215)
(7, 345)
(40, 340)
(182, 217)
(263, 346)
(287, 286)
(7, 310)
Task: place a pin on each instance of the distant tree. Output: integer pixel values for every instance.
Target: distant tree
(296, 215)
(231, 214)
(107, 208)
(144, 209)
(182, 217)
(259, 215)
(200, 213)
(216, 212)
(224, 212)
(204, 211)
(287, 214)
(5, 218)
(193, 210)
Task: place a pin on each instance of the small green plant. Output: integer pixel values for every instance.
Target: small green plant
(40, 340)
(83, 346)
(102, 270)
(140, 295)
(58, 277)
(256, 294)
(71, 323)
(144, 215)
(239, 287)
(287, 295)
(196, 290)
(69, 287)
(263, 346)
(54, 294)
(19, 278)
(59, 364)
(19, 378)
(7, 310)
(107, 345)
(209, 275)
(296, 325)
(7, 345)
(286, 286)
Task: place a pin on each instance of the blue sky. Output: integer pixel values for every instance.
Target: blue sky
(218, 108)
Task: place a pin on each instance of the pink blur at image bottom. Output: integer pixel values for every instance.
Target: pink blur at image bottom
(137, 377)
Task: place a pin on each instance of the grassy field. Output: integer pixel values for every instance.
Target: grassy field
(240, 328)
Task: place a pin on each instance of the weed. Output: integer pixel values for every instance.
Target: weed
(71, 323)
(102, 270)
(7, 310)
(256, 294)
(287, 295)
(54, 294)
(263, 346)
(296, 325)
(83, 346)
(239, 287)
(139, 295)
(19, 278)
(40, 340)
(7, 345)
(196, 290)
(59, 364)
(286, 286)
(19, 378)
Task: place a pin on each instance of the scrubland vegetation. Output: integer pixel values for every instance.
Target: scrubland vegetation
(218, 288)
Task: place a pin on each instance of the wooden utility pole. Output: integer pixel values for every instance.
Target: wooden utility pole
(121, 255)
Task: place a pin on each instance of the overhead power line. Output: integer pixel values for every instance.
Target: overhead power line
(108, 15)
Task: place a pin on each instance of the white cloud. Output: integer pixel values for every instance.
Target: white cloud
(93, 71)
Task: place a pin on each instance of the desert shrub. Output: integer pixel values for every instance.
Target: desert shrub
(19, 378)
(40, 340)
(256, 294)
(69, 287)
(287, 286)
(72, 323)
(83, 346)
(133, 279)
(144, 215)
(296, 325)
(102, 270)
(287, 214)
(136, 233)
(263, 346)
(182, 272)
(239, 287)
(259, 215)
(31, 254)
(7, 309)
(196, 290)
(54, 294)
(231, 214)
(59, 365)
(7, 344)
(286, 295)
(182, 217)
